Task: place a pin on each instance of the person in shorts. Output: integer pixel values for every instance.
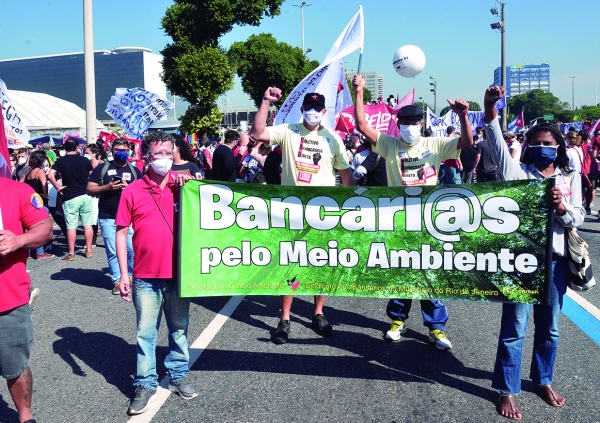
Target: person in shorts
(24, 224)
(75, 171)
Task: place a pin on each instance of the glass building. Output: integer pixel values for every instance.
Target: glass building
(523, 78)
(63, 75)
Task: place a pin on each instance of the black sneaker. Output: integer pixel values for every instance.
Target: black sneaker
(142, 399)
(184, 388)
(281, 334)
(321, 326)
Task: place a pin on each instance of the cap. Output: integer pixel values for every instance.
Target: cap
(313, 99)
(46, 145)
(410, 111)
(29, 146)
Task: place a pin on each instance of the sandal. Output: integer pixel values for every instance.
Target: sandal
(548, 394)
(508, 408)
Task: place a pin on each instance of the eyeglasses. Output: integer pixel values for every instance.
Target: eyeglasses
(162, 154)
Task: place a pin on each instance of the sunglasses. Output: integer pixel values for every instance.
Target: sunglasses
(317, 107)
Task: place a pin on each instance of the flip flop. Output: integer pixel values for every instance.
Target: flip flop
(547, 393)
(513, 406)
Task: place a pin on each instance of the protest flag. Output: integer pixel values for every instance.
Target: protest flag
(576, 116)
(5, 170)
(407, 100)
(517, 123)
(328, 79)
(593, 128)
(344, 125)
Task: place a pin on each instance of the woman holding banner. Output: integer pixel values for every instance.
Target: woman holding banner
(545, 157)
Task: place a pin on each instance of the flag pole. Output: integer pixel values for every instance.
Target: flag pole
(359, 63)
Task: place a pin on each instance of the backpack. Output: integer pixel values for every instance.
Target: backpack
(259, 178)
(105, 169)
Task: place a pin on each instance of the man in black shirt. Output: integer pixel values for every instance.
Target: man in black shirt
(224, 164)
(107, 181)
(372, 170)
(75, 171)
(467, 158)
(272, 167)
(484, 163)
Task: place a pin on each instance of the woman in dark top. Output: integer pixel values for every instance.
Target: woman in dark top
(36, 179)
(183, 159)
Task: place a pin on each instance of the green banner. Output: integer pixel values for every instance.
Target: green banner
(475, 242)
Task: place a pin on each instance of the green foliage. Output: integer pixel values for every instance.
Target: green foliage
(536, 103)
(590, 113)
(263, 62)
(473, 107)
(366, 93)
(195, 67)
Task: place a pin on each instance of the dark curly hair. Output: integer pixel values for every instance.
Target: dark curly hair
(157, 137)
(562, 160)
(184, 149)
(37, 159)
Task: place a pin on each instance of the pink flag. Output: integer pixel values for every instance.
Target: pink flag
(408, 99)
(379, 116)
(593, 128)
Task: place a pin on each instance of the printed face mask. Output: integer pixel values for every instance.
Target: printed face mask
(411, 134)
(162, 165)
(543, 155)
(312, 117)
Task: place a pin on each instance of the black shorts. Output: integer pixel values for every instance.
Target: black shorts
(16, 328)
(594, 179)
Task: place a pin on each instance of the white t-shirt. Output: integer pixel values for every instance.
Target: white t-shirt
(308, 157)
(575, 158)
(516, 146)
(416, 165)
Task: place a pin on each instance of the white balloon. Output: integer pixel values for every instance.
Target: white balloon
(409, 61)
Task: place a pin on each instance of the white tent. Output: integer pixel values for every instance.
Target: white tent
(45, 112)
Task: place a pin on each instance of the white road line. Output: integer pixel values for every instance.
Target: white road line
(196, 350)
(585, 304)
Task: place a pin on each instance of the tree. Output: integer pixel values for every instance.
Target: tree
(366, 93)
(195, 67)
(473, 107)
(590, 113)
(536, 103)
(263, 62)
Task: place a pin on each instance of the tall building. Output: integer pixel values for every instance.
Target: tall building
(373, 82)
(523, 78)
(62, 75)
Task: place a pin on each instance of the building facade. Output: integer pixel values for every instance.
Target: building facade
(373, 82)
(523, 78)
(63, 75)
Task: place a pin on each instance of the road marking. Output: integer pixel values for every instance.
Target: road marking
(584, 314)
(196, 350)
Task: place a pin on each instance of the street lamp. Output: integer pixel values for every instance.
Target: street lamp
(502, 27)
(572, 92)
(434, 91)
(423, 107)
(302, 6)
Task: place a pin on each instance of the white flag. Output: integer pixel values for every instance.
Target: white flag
(16, 134)
(137, 109)
(352, 38)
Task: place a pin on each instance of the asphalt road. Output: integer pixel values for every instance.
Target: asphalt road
(84, 357)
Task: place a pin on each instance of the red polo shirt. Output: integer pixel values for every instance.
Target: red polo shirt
(141, 205)
(20, 208)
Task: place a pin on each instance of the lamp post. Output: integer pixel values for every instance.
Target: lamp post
(502, 27)
(302, 6)
(572, 92)
(434, 91)
(90, 79)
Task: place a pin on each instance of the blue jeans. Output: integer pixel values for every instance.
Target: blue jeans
(150, 297)
(109, 234)
(452, 176)
(508, 367)
(435, 315)
(40, 250)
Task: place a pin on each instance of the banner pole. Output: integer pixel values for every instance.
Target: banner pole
(549, 249)
(359, 63)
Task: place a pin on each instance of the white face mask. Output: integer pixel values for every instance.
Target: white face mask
(62, 153)
(22, 160)
(312, 117)
(411, 134)
(46, 167)
(162, 165)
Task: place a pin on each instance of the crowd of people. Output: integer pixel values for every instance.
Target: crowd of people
(133, 210)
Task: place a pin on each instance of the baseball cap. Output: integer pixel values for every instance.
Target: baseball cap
(411, 111)
(313, 99)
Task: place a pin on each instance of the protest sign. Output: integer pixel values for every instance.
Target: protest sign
(480, 242)
(137, 109)
(17, 135)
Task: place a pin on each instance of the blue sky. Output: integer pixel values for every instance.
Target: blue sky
(461, 49)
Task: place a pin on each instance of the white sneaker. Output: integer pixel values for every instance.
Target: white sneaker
(35, 292)
(397, 329)
(438, 337)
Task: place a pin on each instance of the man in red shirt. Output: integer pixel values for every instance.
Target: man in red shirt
(150, 205)
(24, 224)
